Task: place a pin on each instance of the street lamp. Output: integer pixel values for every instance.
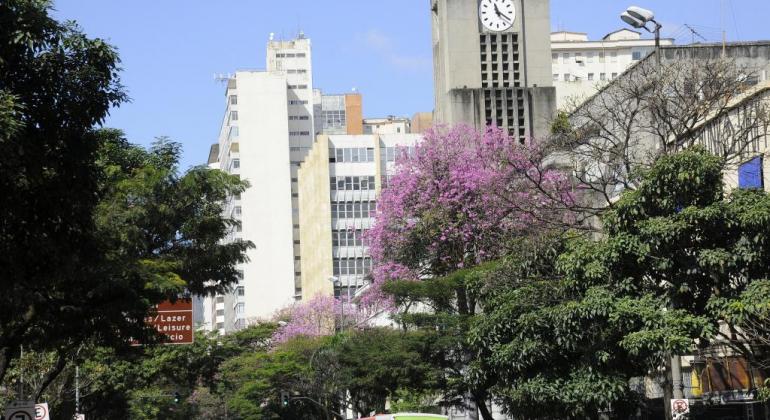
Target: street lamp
(639, 18)
(337, 283)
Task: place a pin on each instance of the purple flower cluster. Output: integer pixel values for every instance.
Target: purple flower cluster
(455, 201)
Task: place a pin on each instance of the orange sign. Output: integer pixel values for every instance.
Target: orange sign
(173, 320)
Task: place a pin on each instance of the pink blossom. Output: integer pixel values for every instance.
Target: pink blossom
(455, 202)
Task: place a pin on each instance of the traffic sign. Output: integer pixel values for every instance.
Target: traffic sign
(41, 412)
(20, 410)
(172, 320)
(680, 408)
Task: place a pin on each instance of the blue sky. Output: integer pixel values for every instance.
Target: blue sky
(171, 50)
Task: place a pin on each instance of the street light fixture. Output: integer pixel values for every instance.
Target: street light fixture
(337, 283)
(639, 18)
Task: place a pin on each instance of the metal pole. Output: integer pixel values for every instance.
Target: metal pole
(21, 373)
(657, 42)
(77, 389)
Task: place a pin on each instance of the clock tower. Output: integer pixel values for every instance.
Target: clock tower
(492, 64)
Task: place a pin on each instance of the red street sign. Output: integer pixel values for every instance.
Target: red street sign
(173, 320)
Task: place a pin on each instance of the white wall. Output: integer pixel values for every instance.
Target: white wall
(267, 210)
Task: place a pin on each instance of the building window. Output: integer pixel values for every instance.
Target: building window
(636, 55)
(237, 211)
(565, 58)
(601, 57)
(220, 299)
(602, 76)
(220, 325)
(297, 102)
(566, 77)
(614, 75)
(220, 312)
(555, 58)
(236, 163)
(555, 77)
(590, 76)
(614, 57)
(589, 57)
(750, 174)
(233, 115)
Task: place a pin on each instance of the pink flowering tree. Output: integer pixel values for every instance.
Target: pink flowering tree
(458, 200)
(323, 315)
(462, 198)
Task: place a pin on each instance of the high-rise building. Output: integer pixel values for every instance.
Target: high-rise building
(580, 66)
(339, 183)
(337, 114)
(266, 132)
(492, 64)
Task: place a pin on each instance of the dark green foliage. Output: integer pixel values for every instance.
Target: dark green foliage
(566, 330)
(55, 85)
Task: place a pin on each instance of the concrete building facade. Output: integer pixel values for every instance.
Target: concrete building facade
(339, 183)
(388, 125)
(421, 122)
(499, 76)
(580, 66)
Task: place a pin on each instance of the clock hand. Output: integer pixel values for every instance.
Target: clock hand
(501, 14)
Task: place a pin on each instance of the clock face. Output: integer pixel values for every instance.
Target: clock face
(497, 15)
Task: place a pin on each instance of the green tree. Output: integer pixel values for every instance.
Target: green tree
(55, 85)
(567, 329)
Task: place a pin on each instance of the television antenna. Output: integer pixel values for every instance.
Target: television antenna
(222, 77)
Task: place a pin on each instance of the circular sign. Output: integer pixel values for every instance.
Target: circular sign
(20, 415)
(41, 412)
(680, 406)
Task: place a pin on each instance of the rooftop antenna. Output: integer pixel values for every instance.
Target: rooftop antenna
(222, 78)
(694, 33)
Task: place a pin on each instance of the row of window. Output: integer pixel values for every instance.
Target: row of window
(352, 183)
(290, 55)
(352, 266)
(298, 118)
(333, 118)
(299, 133)
(297, 102)
(352, 154)
(354, 210)
(348, 237)
(590, 77)
(589, 57)
(389, 154)
(297, 86)
(296, 71)
(233, 99)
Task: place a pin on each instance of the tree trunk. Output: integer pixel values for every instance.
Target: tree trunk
(5, 360)
(51, 375)
(486, 414)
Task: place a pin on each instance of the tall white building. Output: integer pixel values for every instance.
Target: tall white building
(266, 132)
(580, 66)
